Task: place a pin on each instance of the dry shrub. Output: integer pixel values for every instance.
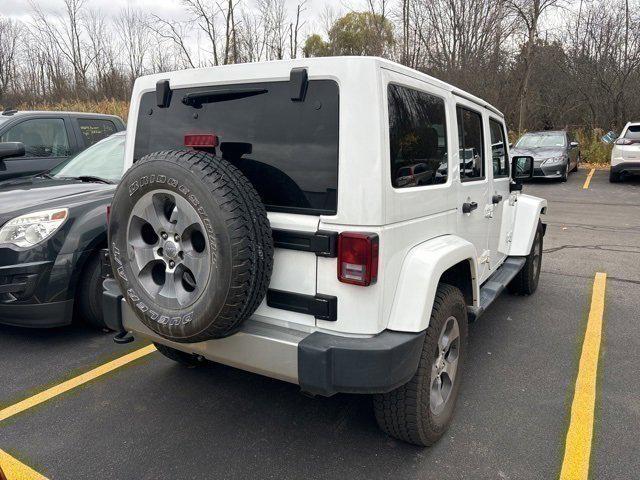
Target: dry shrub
(110, 107)
(592, 149)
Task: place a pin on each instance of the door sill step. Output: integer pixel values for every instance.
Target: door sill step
(496, 283)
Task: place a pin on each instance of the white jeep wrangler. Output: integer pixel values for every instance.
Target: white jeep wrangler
(334, 223)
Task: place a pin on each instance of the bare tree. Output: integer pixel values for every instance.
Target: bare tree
(66, 32)
(294, 30)
(530, 13)
(134, 36)
(9, 35)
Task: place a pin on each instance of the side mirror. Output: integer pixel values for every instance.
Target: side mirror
(574, 144)
(521, 169)
(11, 149)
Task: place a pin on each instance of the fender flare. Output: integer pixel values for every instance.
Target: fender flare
(527, 216)
(421, 271)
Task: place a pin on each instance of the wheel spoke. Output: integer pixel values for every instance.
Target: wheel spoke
(451, 368)
(142, 255)
(449, 335)
(155, 218)
(183, 216)
(169, 288)
(196, 264)
(436, 394)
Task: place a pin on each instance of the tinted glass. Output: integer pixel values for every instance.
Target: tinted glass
(417, 138)
(633, 132)
(470, 138)
(287, 149)
(498, 150)
(542, 140)
(94, 130)
(105, 159)
(42, 137)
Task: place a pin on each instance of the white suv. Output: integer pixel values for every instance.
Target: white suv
(266, 222)
(625, 156)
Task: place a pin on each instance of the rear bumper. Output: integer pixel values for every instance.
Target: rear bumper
(322, 364)
(632, 168)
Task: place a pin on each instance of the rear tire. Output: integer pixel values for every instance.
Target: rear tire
(615, 177)
(89, 293)
(415, 412)
(526, 281)
(187, 359)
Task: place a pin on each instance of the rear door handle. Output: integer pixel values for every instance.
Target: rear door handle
(468, 207)
(496, 199)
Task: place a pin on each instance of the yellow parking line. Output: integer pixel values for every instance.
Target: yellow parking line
(588, 180)
(14, 469)
(74, 382)
(575, 465)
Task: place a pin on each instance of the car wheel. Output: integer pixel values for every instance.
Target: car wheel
(191, 243)
(526, 281)
(615, 177)
(420, 411)
(187, 359)
(89, 293)
(575, 169)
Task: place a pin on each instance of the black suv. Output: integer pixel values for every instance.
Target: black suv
(50, 137)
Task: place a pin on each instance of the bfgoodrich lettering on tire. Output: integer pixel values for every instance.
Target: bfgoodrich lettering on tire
(190, 245)
(420, 411)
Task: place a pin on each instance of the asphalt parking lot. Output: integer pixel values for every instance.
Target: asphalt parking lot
(153, 419)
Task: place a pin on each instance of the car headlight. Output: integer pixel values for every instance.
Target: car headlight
(554, 160)
(32, 228)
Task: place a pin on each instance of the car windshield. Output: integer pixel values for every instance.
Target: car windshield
(633, 132)
(103, 160)
(541, 140)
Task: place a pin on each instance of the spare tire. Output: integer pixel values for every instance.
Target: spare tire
(190, 245)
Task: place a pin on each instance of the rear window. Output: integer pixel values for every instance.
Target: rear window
(93, 130)
(287, 149)
(417, 138)
(633, 132)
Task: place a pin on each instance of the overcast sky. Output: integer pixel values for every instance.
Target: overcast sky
(165, 8)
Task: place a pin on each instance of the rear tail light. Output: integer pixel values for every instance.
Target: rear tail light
(625, 141)
(197, 140)
(358, 258)
(108, 214)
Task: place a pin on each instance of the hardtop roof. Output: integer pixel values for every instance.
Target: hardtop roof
(246, 70)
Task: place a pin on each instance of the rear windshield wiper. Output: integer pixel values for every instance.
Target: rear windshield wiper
(197, 99)
(91, 178)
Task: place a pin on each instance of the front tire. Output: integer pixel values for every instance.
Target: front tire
(421, 410)
(526, 281)
(89, 293)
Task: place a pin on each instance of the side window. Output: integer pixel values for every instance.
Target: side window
(42, 137)
(498, 150)
(471, 143)
(94, 130)
(417, 138)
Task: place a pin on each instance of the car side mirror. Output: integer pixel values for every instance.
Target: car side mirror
(574, 144)
(521, 169)
(11, 149)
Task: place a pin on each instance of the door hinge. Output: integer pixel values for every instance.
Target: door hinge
(485, 257)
